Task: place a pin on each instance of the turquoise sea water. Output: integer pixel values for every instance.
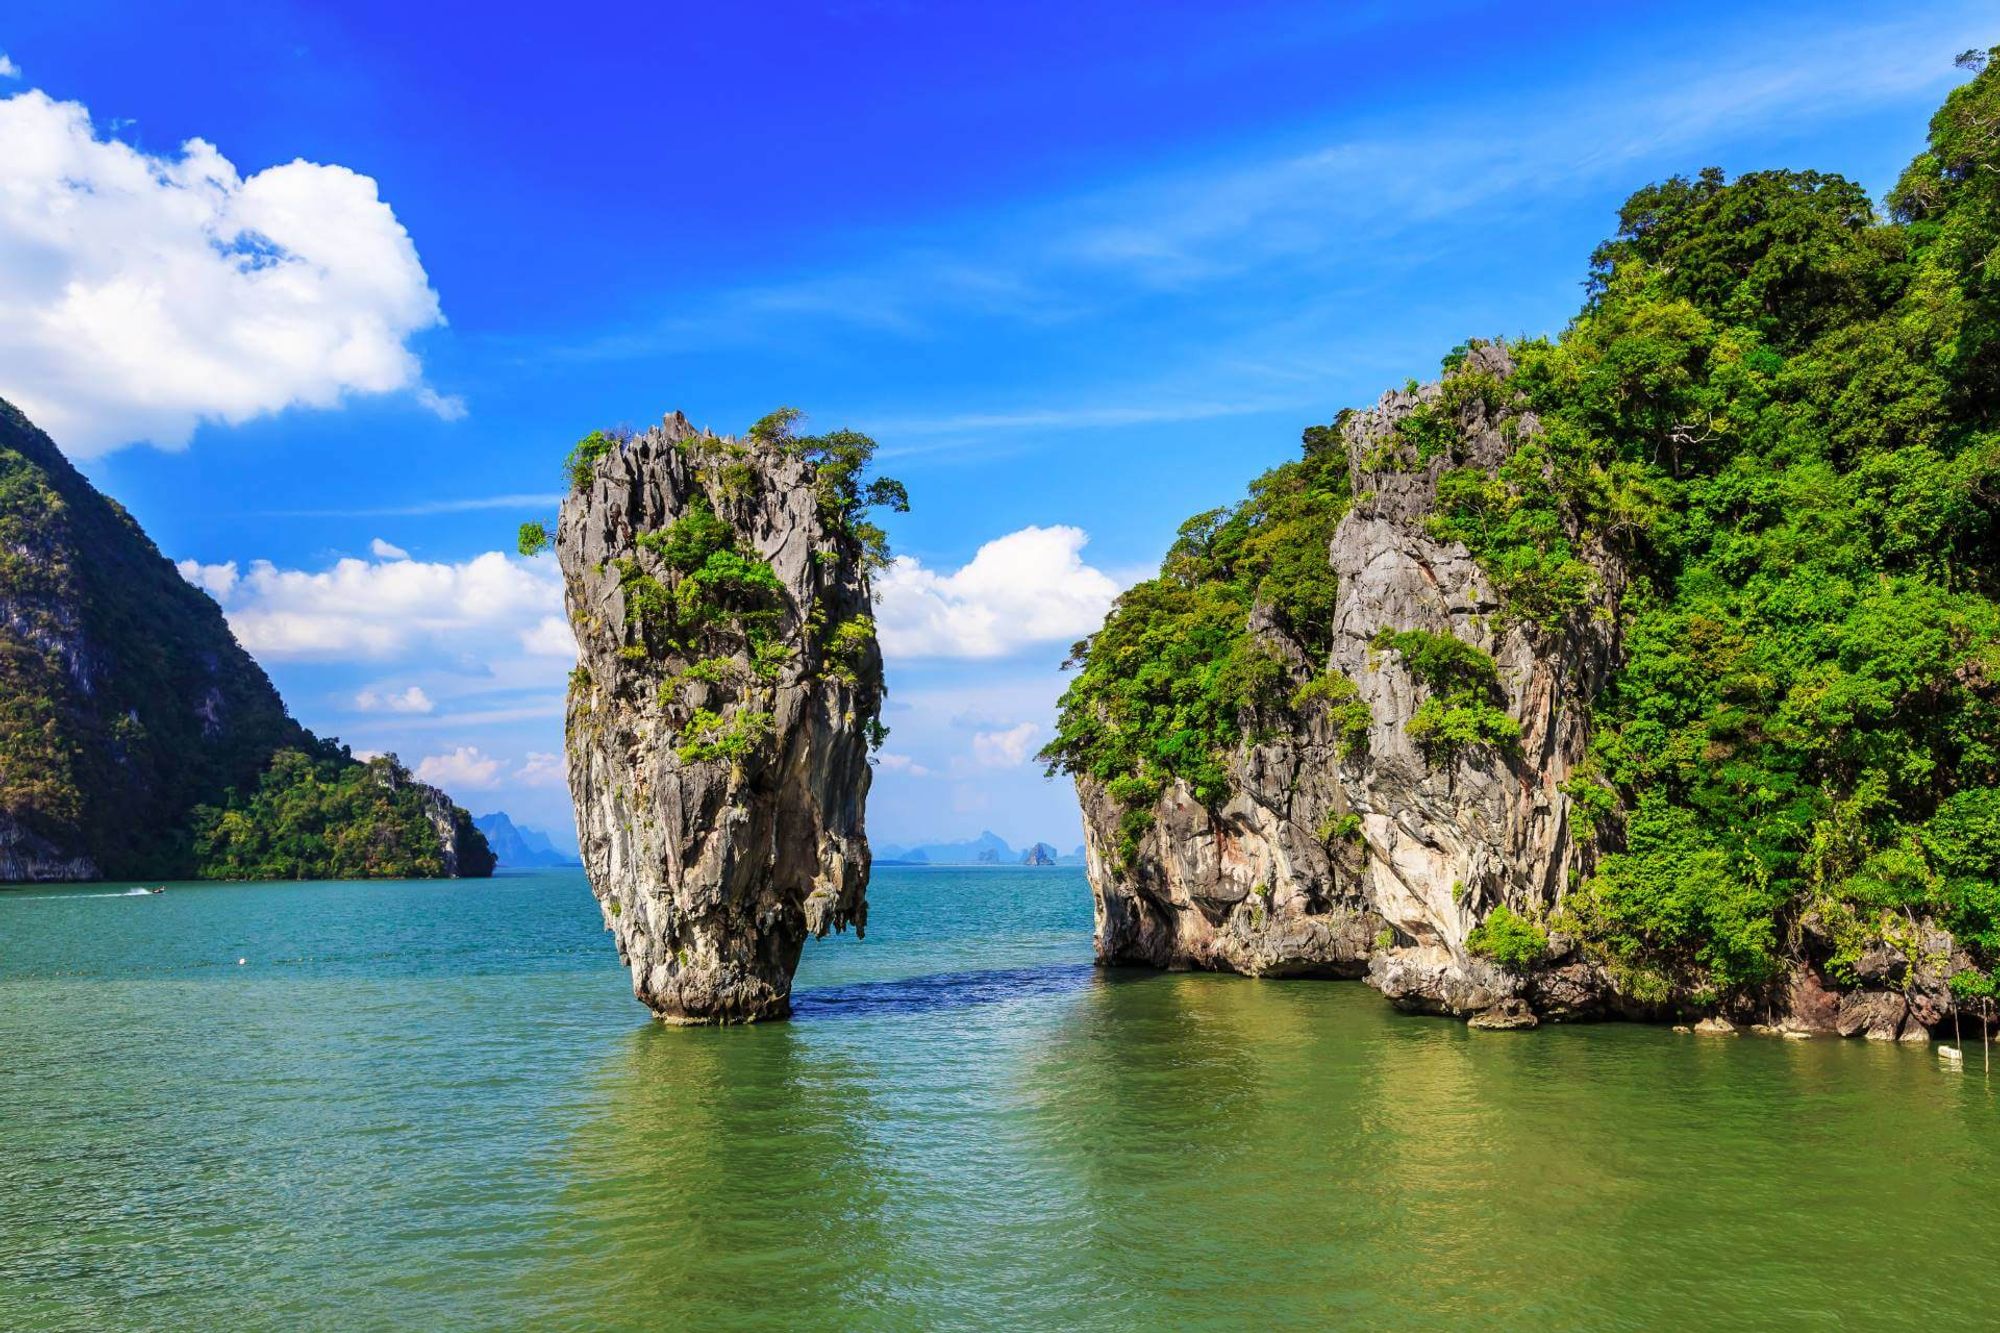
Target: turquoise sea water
(436, 1105)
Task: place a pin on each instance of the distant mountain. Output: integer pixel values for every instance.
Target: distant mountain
(988, 849)
(519, 847)
(539, 841)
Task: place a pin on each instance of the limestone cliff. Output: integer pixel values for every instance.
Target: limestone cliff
(1365, 840)
(1360, 854)
(138, 738)
(720, 716)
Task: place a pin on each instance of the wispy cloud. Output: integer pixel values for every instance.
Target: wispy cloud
(424, 508)
(1079, 417)
(1315, 202)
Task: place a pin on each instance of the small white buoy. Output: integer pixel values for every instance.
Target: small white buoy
(241, 961)
(1951, 1055)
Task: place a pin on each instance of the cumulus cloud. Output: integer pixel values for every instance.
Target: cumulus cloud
(466, 768)
(549, 637)
(1025, 588)
(8, 69)
(141, 295)
(541, 769)
(900, 763)
(387, 550)
(412, 700)
(1005, 749)
(383, 609)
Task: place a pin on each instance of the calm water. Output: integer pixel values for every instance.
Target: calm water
(437, 1106)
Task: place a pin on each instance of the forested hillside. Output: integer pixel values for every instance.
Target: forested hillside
(1767, 453)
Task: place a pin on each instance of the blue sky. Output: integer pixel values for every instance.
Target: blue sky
(1081, 270)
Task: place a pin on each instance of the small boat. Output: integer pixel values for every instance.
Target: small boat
(161, 889)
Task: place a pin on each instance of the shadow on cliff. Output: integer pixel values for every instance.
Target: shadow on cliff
(942, 991)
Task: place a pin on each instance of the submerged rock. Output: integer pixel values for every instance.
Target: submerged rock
(1506, 1016)
(721, 712)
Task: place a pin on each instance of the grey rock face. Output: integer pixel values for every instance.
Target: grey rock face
(712, 865)
(1280, 878)
(465, 850)
(26, 856)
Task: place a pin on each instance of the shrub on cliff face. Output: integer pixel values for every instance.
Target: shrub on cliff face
(1462, 683)
(1175, 678)
(1508, 938)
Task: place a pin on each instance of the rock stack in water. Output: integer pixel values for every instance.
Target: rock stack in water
(722, 709)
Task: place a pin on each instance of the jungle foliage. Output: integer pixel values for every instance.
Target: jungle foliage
(318, 813)
(1175, 677)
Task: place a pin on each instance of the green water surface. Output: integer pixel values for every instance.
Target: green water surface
(436, 1105)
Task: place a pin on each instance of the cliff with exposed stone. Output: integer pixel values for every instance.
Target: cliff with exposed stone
(720, 715)
(1376, 860)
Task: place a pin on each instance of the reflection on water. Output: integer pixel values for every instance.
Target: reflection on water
(714, 1172)
(423, 1106)
(939, 992)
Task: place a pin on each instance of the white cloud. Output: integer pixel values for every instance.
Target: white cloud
(383, 609)
(412, 700)
(550, 636)
(541, 770)
(1005, 749)
(466, 768)
(1027, 587)
(387, 550)
(8, 69)
(443, 406)
(141, 295)
(900, 763)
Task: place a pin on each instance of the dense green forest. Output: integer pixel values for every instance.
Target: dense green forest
(126, 703)
(1778, 415)
(318, 813)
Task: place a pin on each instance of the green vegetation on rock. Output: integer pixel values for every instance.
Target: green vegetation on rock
(1462, 684)
(1508, 938)
(699, 601)
(1782, 413)
(1177, 677)
(317, 813)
